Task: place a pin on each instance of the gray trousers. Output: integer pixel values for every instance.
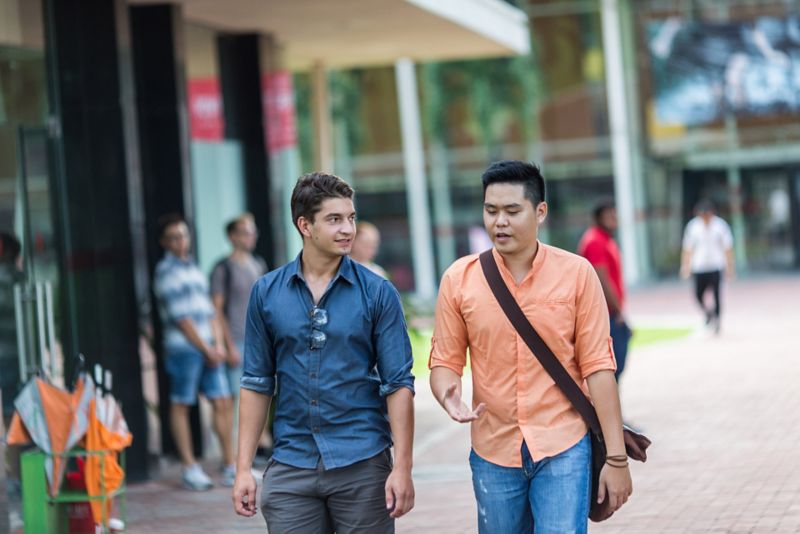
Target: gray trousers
(347, 500)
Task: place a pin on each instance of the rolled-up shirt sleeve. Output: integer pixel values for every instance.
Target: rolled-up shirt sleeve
(450, 339)
(259, 354)
(392, 346)
(593, 347)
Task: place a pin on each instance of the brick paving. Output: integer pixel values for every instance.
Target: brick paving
(721, 410)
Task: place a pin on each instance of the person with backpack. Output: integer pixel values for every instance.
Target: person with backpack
(232, 278)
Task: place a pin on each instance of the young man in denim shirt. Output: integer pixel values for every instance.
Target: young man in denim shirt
(332, 336)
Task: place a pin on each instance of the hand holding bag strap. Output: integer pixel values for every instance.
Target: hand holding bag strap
(537, 345)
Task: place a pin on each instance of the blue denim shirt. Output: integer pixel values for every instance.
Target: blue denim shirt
(330, 401)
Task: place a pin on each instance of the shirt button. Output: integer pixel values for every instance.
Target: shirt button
(313, 402)
(315, 429)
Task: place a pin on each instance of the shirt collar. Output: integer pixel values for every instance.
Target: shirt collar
(346, 270)
(602, 231)
(538, 260)
(172, 258)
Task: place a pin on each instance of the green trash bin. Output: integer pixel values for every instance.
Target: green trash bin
(46, 514)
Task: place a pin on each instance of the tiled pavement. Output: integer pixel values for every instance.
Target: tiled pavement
(722, 413)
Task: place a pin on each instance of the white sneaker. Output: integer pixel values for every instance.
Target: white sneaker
(228, 476)
(194, 478)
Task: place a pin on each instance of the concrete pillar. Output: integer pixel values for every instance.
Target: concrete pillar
(321, 113)
(734, 177)
(416, 186)
(620, 138)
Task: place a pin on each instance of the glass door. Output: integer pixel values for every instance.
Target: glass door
(29, 272)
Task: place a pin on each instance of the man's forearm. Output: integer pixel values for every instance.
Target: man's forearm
(605, 397)
(400, 405)
(608, 290)
(219, 305)
(441, 379)
(189, 330)
(253, 410)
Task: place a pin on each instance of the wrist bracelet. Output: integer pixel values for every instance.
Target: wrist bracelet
(619, 457)
(618, 466)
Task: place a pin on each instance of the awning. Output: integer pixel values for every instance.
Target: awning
(351, 33)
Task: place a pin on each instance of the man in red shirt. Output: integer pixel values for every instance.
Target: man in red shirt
(598, 246)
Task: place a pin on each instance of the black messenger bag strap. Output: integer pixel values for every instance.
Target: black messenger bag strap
(537, 345)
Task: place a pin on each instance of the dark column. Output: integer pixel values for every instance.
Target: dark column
(96, 192)
(240, 60)
(158, 57)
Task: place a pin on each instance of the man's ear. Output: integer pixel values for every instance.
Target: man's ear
(303, 225)
(541, 212)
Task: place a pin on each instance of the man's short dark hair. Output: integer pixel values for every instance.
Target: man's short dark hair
(516, 172)
(601, 207)
(10, 247)
(165, 221)
(312, 189)
(232, 226)
(705, 206)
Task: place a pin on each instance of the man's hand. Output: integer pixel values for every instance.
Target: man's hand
(399, 492)
(234, 358)
(213, 356)
(615, 482)
(685, 272)
(456, 408)
(244, 494)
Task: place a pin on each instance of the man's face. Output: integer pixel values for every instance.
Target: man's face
(510, 219)
(333, 229)
(176, 239)
(366, 244)
(608, 219)
(706, 216)
(245, 236)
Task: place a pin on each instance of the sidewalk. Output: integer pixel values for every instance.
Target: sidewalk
(720, 411)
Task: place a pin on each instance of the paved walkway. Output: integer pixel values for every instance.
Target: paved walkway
(721, 412)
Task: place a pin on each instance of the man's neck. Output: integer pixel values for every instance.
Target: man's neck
(240, 255)
(519, 264)
(317, 266)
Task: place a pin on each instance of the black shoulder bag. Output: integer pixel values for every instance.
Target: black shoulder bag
(635, 444)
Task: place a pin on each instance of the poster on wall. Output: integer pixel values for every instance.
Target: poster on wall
(206, 122)
(702, 71)
(279, 110)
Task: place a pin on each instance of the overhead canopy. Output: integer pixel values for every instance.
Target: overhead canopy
(352, 33)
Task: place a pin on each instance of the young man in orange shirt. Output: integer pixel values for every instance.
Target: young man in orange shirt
(531, 453)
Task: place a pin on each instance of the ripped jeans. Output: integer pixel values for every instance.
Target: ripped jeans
(552, 493)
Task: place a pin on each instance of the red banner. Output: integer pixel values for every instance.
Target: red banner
(205, 110)
(277, 94)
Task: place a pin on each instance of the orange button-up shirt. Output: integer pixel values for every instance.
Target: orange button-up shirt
(562, 297)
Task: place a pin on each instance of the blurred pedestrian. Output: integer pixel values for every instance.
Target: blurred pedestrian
(366, 246)
(333, 333)
(599, 247)
(707, 253)
(194, 351)
(232, 279)
(10, 275)
(531, 451)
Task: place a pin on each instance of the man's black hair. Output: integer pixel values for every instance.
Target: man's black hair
(165, 221)
(10, 247)
(601, 206)
(705, 205)
(312, 189)
(516, 172)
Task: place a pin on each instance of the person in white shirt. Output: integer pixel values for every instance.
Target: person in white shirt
(707, 253)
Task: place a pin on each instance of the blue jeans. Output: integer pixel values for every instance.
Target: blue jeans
(234, 374)
(620, 337)
(189, 374)
(553, 493)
